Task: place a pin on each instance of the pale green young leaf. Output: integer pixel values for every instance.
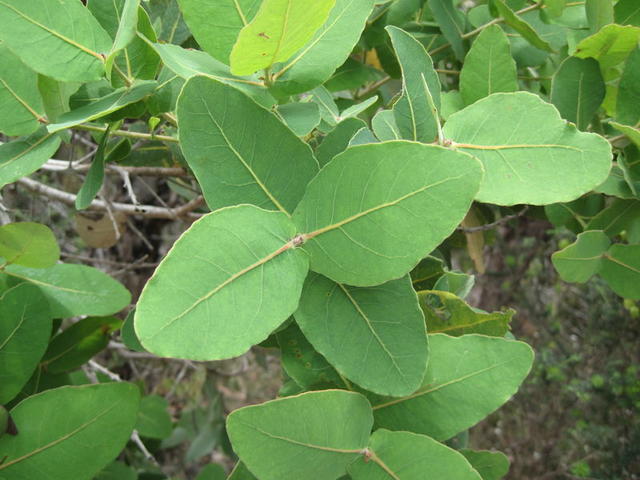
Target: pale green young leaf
(26, 155)
(375, 210)
(337, 140)
(451, 22)
(467, 378)
(154, 420)
(28, 244)
(529, 153)
(490, 465)
(627, 12)
(21, 107)
(374, 336)
(621, 270)
(385, 127)
(582, 259)
(108, 104)
(57, 38)
(189, 63)
(610, 46)
(521, 26)
(278, 30)
(488, 67)
(409, 456)
(302, 362)
(414, 111)
(451, 315)
(233, 277)
(577, 90)
(73, 290)
(168, 21)
(216, 25)
(312, 435)
(314, 63)
(220, 129)
(599, 13)
(24, 334)
(76, 444)
(628, 99)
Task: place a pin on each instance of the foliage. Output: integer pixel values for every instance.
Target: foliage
(339, 152)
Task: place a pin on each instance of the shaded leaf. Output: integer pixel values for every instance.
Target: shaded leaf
(312, 435)
(77, 444)
(599, 13)
(374, 211)
(117, 471)
(582, 259)
(337, 140)
(628, 99)
(154, 420)
(300, 117)
(24, 335)
(528, 151)
(374, 336)
(621, 270)
(627, 12)
(616, 217)
(128, 334)
(490, 465)
(95, 176)
(521, 26)
(467, 378)
(253, 253)
(385, 127)
(452, 23)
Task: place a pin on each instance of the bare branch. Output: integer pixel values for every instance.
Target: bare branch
(54, 165)
(492, 225)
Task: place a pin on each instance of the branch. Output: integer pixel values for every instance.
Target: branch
(491, 226)
(54, 165)
(128, 134)
(150, 211)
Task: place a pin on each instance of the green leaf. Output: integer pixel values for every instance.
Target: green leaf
(490, 465)
(74, 290)
(616, 184)
(384, 126)
(216, 25)
(467, 378)
(55, 96)
(628, 100)
(57, 38)
(406, 455)
(108, 104)
(93, 429)
(128, 334)
(117, 471)
(425, 274)
(24, 334)
(154, 420)
(95, 176)
(248, 254)
(168, 22)
(300, 117)
(374, 336)
(24, 156)
(414, 111)
(362, 137)
(120, 19)
(313, 435)
(29, 244)
(189, 63)
(213, 471)
(616, 217)
(488, 67)
(621, 270)
(452, 23)
(375, 210)
(214, 121)
(599, 13)
(528, 151)
(337, 140)
(331, 45)
(451, 315)
(577, 90)
(627, 12)
(459, 284)
(582, 259)
(278, 30)
(521, 26)
(610, 46)
(77, 344)
(554, 9)
(302, 362)
(20, 101)
(241, 472)
(631, 132)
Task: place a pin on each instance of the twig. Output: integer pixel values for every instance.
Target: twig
(491, 226)
(135, 438)
(150, 211)
(96, 366)
(54, 165)
(128, 134)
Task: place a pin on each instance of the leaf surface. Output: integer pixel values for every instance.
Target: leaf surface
(490, 465)
(77, 444)
(233, 277)
(621, 270)
(451, 22)
(582, 259)
(337, 140)
(467, 378)
(610, 46)
(26, 155)
(521, 26)
(312, 435)
(529, 153)
(627, 108)
(374, 336)
(375, 210)
(58, 38)
(29, 244)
